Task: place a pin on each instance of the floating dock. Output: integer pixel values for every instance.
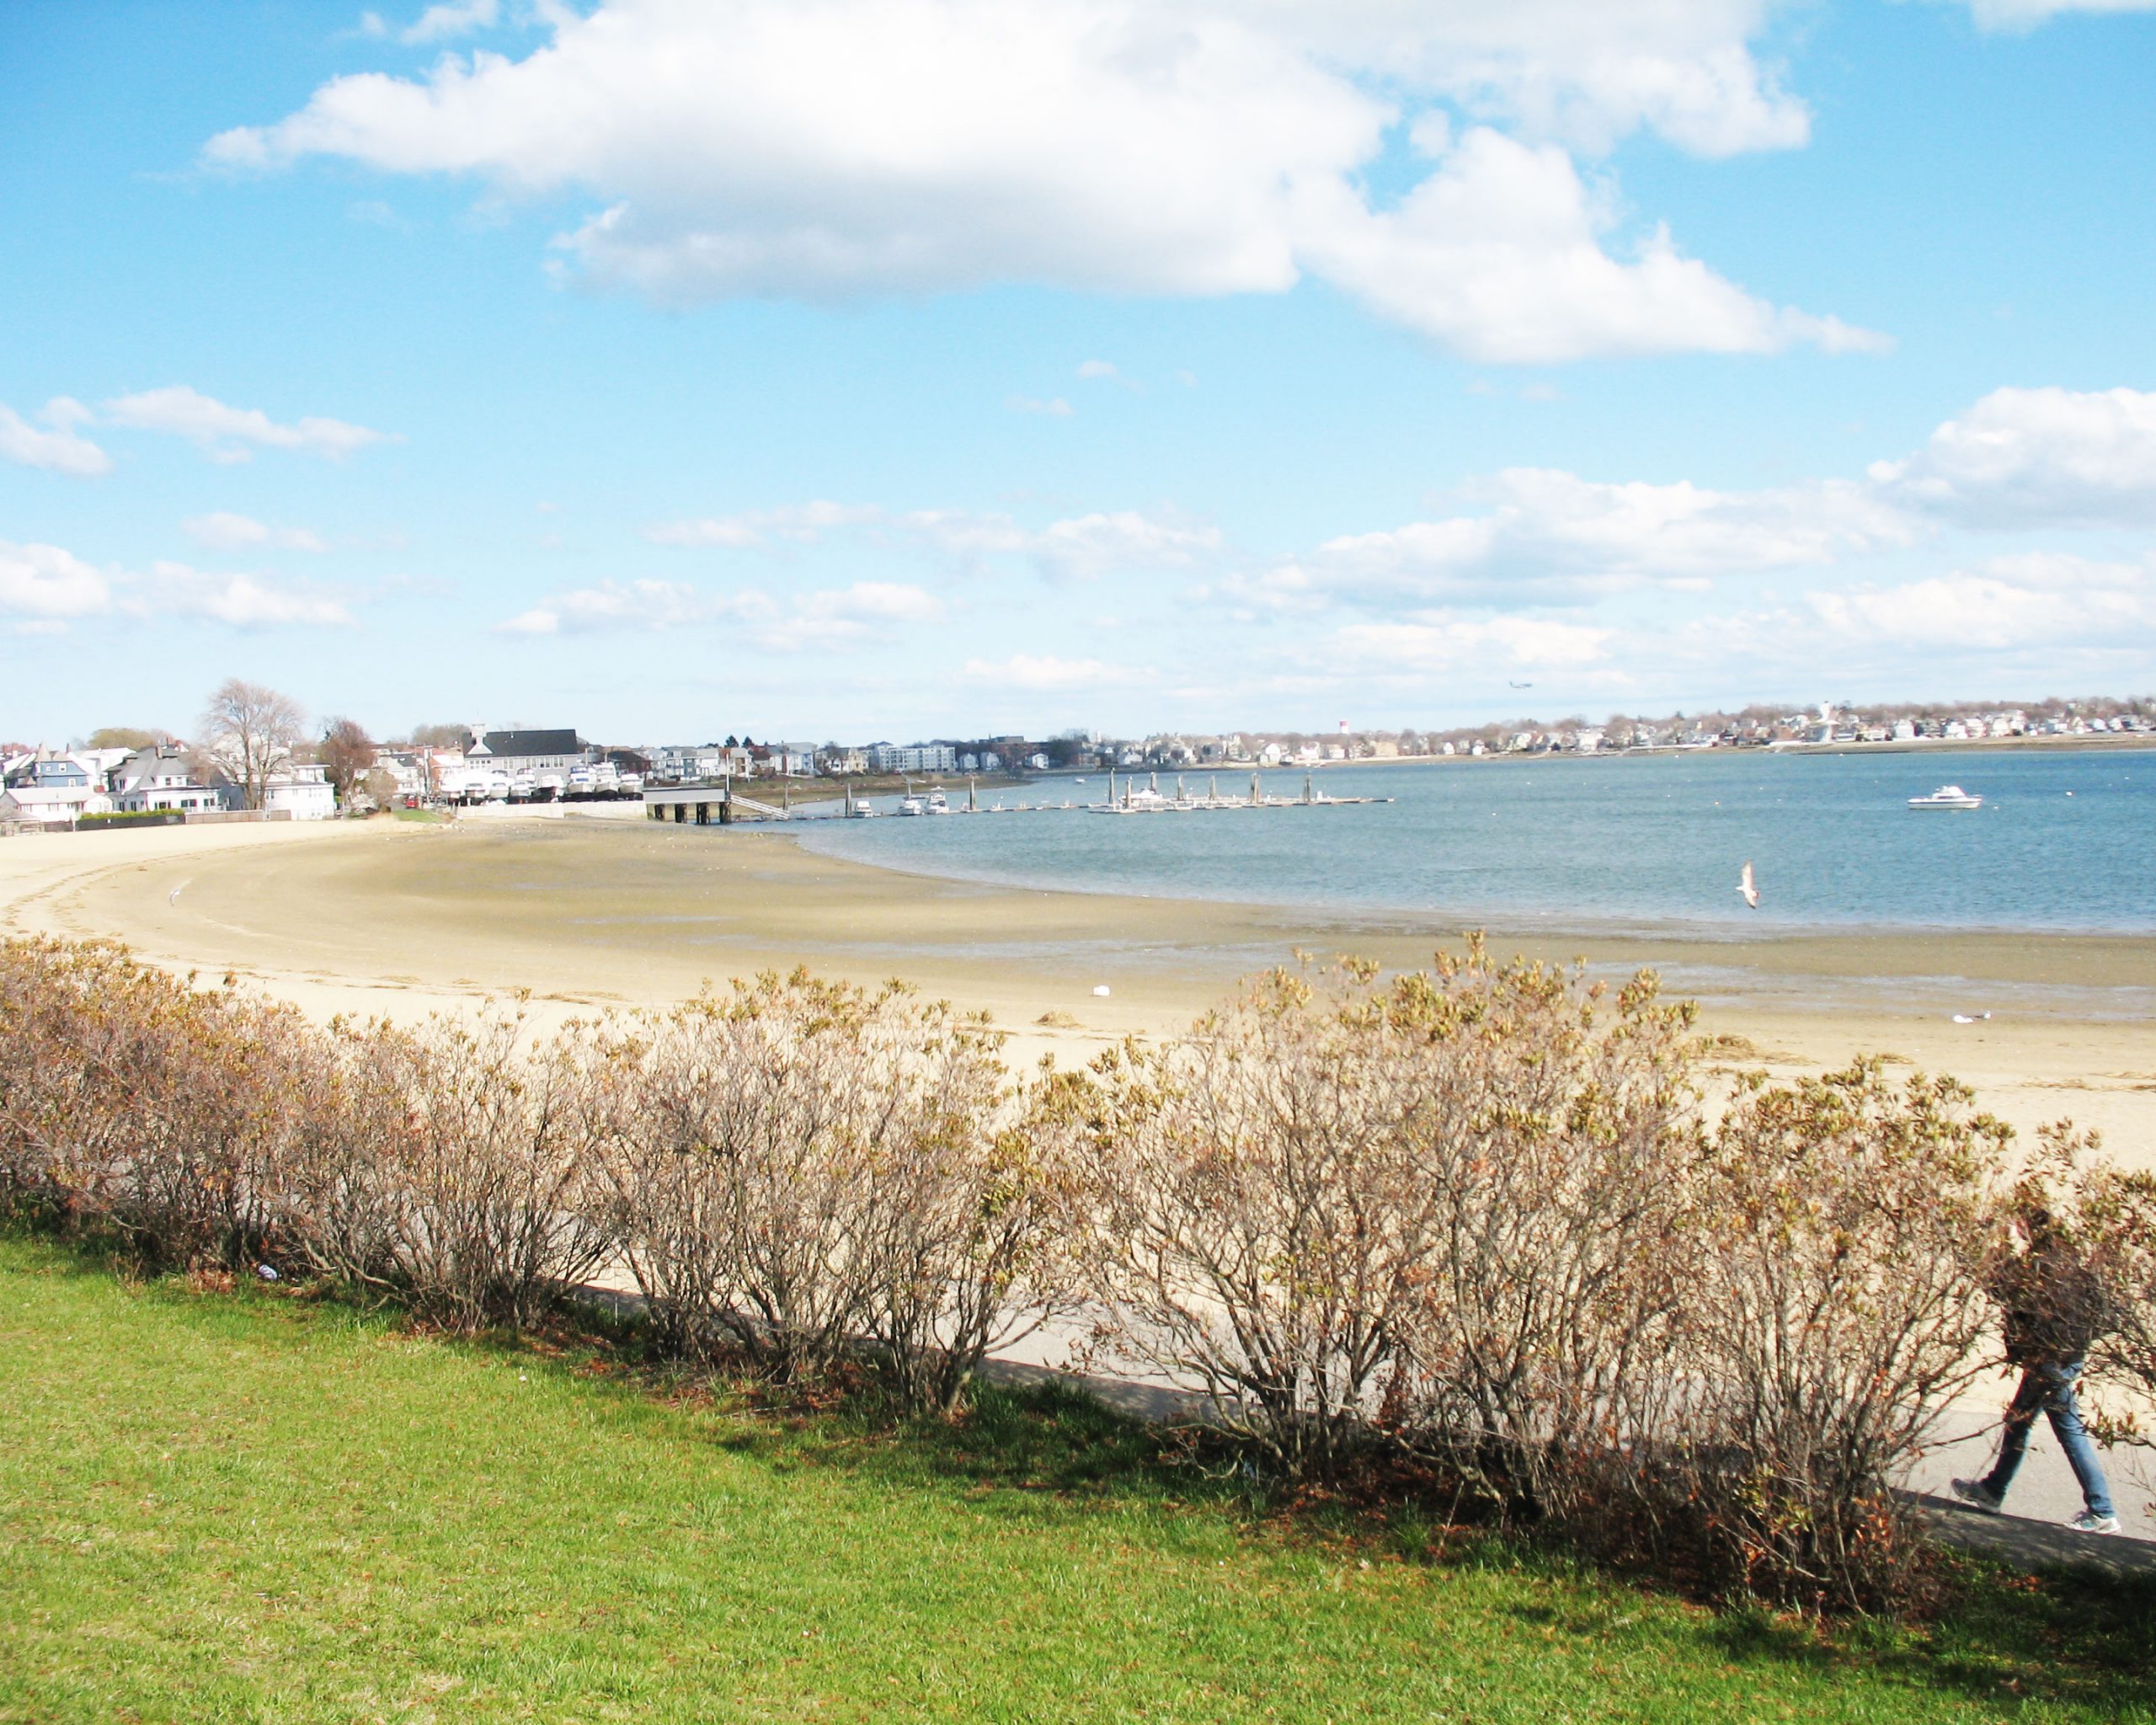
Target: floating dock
(717, 803)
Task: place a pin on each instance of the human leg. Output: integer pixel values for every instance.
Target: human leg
(2064, 1409)
(2029, 1397)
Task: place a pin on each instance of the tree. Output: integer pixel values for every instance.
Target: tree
(123, 736)
(381, 784)
(437, 736)
(347, 753)
(248, 732)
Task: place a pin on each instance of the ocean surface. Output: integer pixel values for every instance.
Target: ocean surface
(2066, 841)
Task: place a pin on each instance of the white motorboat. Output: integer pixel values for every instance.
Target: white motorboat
(938, 804)
(1947, 797)
(912, 805)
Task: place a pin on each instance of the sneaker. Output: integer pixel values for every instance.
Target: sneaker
(2089, 1521)
(1977, 1495)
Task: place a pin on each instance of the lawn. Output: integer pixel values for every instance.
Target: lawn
(247, 1505)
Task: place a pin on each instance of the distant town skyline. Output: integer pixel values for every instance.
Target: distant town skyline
(967, 368)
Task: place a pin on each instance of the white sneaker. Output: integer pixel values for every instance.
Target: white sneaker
(2089, 1521)
(1977, 1495)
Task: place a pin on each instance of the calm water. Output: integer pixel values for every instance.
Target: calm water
(2066, 841)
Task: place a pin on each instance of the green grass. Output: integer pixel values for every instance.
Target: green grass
(254, 1506)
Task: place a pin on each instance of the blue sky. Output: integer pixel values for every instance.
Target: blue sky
(857, 368)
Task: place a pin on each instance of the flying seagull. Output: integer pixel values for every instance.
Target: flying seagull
(1748, 889)
(1521, 686)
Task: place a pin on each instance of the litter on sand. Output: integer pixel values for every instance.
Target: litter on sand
(1101, 989)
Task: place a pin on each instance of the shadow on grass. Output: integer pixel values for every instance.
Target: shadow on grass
(1041, 1452)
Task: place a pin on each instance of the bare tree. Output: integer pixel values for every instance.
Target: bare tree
(347, 754)
(248, 731)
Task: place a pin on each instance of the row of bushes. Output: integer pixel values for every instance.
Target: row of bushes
(1476, 1219)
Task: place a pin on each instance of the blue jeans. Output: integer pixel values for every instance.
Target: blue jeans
(2048, 1387)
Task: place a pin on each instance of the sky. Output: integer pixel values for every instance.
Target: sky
(893, 369)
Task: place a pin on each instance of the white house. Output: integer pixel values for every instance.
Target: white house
(158, 779)
(302, 793)
(55, 790)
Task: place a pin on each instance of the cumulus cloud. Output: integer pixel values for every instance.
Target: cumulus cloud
(224, 433)
(222, 531)
(2029, 456)
(2005, 604)
(1180, 147)
(245, 601)
(452, 18)
(1544, 535)
(61, 448)
(48, 583)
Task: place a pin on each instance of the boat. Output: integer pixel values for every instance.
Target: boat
(938, 804)
(912, 805)
(1947, 797)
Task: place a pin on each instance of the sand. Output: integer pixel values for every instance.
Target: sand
(402, 918)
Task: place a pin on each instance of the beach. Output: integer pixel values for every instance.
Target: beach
(402, 918)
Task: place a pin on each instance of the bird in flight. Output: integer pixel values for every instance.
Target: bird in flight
(1521, 686)
(1748, 888)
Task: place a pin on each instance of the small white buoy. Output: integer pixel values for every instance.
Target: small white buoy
(1102, 991)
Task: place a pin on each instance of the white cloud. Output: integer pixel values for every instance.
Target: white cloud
(1453, 644)
(245, 601)
(44, 581)
(1499, 255)
(223, 531)
(1098, 368)
(222, 432)
(2007, 604)
(1188, 147)
(1079, 548)
(1056, 408)
(2027, 14)
(452, 18)
(61, 449)
(1045, 673)
(814, 618)
(803, 524)
(1546, 534)
(2024, 456)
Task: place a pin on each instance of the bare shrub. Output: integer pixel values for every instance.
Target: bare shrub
(1563, 1153)
(447, 1166)
(133, 1099)
(967, 1240)
(797, 1166)
(1264, 1222)
(1839, 1306)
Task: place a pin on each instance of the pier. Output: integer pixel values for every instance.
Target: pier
(715, 803)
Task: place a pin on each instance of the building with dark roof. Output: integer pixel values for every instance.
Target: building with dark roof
(530, 752)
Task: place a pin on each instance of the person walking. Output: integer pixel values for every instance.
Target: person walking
(2053, 1303)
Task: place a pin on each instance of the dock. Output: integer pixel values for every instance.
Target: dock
(715, 803)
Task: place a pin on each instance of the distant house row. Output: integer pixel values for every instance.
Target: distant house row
(59, 788)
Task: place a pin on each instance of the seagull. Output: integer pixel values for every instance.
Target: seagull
(1521, 686)
(172, 897)
(1748, 888)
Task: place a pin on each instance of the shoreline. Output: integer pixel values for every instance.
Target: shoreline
(589, 915)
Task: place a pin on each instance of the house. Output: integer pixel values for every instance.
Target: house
(160, 778)
(54, 790)
(529, 751)
(299, 794)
